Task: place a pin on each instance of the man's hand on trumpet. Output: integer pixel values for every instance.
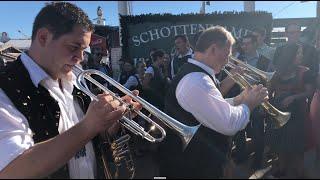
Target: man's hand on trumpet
(255, 96)
(105, 113)
(252, 97)
(129, 102)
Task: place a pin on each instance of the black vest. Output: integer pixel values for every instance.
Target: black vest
(41, 110)
(207, 152)
(155, 95)
(177, 62)
(157, 82)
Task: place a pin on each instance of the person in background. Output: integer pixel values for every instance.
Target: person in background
(262, 48)
(182, 53)
(315, 119)
(135, 80)
(128, 70)
(236, 48)
(250, 53)
(290, 89)
(166, 68)
(310, 58)
(154, 83)
(314, 107)
(256, 129)
(150, 60)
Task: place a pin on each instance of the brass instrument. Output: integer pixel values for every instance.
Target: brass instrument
(279, 118)
(120, 165)
(119, 145)
(263, 77)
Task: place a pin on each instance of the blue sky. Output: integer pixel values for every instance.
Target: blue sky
(19, 15)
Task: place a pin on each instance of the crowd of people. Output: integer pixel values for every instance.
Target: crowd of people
(50, 128)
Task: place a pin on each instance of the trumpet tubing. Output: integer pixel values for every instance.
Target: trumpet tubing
(253, 71)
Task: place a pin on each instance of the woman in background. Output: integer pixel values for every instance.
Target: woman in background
(315, 119)
(291, 88)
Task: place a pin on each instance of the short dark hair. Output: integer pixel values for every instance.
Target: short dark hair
(157, 53)
(253, 38)
(260, 30)
(213, 35)
(292, 24)
(182, 36)
(60, 18)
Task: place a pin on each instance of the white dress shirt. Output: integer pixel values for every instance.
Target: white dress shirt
(149, 70)
(196, 93)
(16, 136)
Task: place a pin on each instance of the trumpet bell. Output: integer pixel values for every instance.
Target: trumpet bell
(278, 118)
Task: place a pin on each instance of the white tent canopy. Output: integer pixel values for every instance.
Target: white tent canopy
(22, 44)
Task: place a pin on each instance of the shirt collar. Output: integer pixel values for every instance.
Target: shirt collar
(190, 52)
(203, 66)
(206, 68)
(37, 74)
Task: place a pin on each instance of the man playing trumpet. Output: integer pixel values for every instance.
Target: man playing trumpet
(194, 98)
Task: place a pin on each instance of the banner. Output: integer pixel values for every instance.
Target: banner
(139, 34)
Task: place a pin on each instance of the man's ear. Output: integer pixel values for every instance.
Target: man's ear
(43, 36)
(212, 48)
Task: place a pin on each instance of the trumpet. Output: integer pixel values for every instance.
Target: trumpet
(280, 118)
(260, 75)
(120, 145)
(185, 132)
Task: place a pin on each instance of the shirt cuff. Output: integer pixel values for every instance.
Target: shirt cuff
(246, 110)
(230, 101)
